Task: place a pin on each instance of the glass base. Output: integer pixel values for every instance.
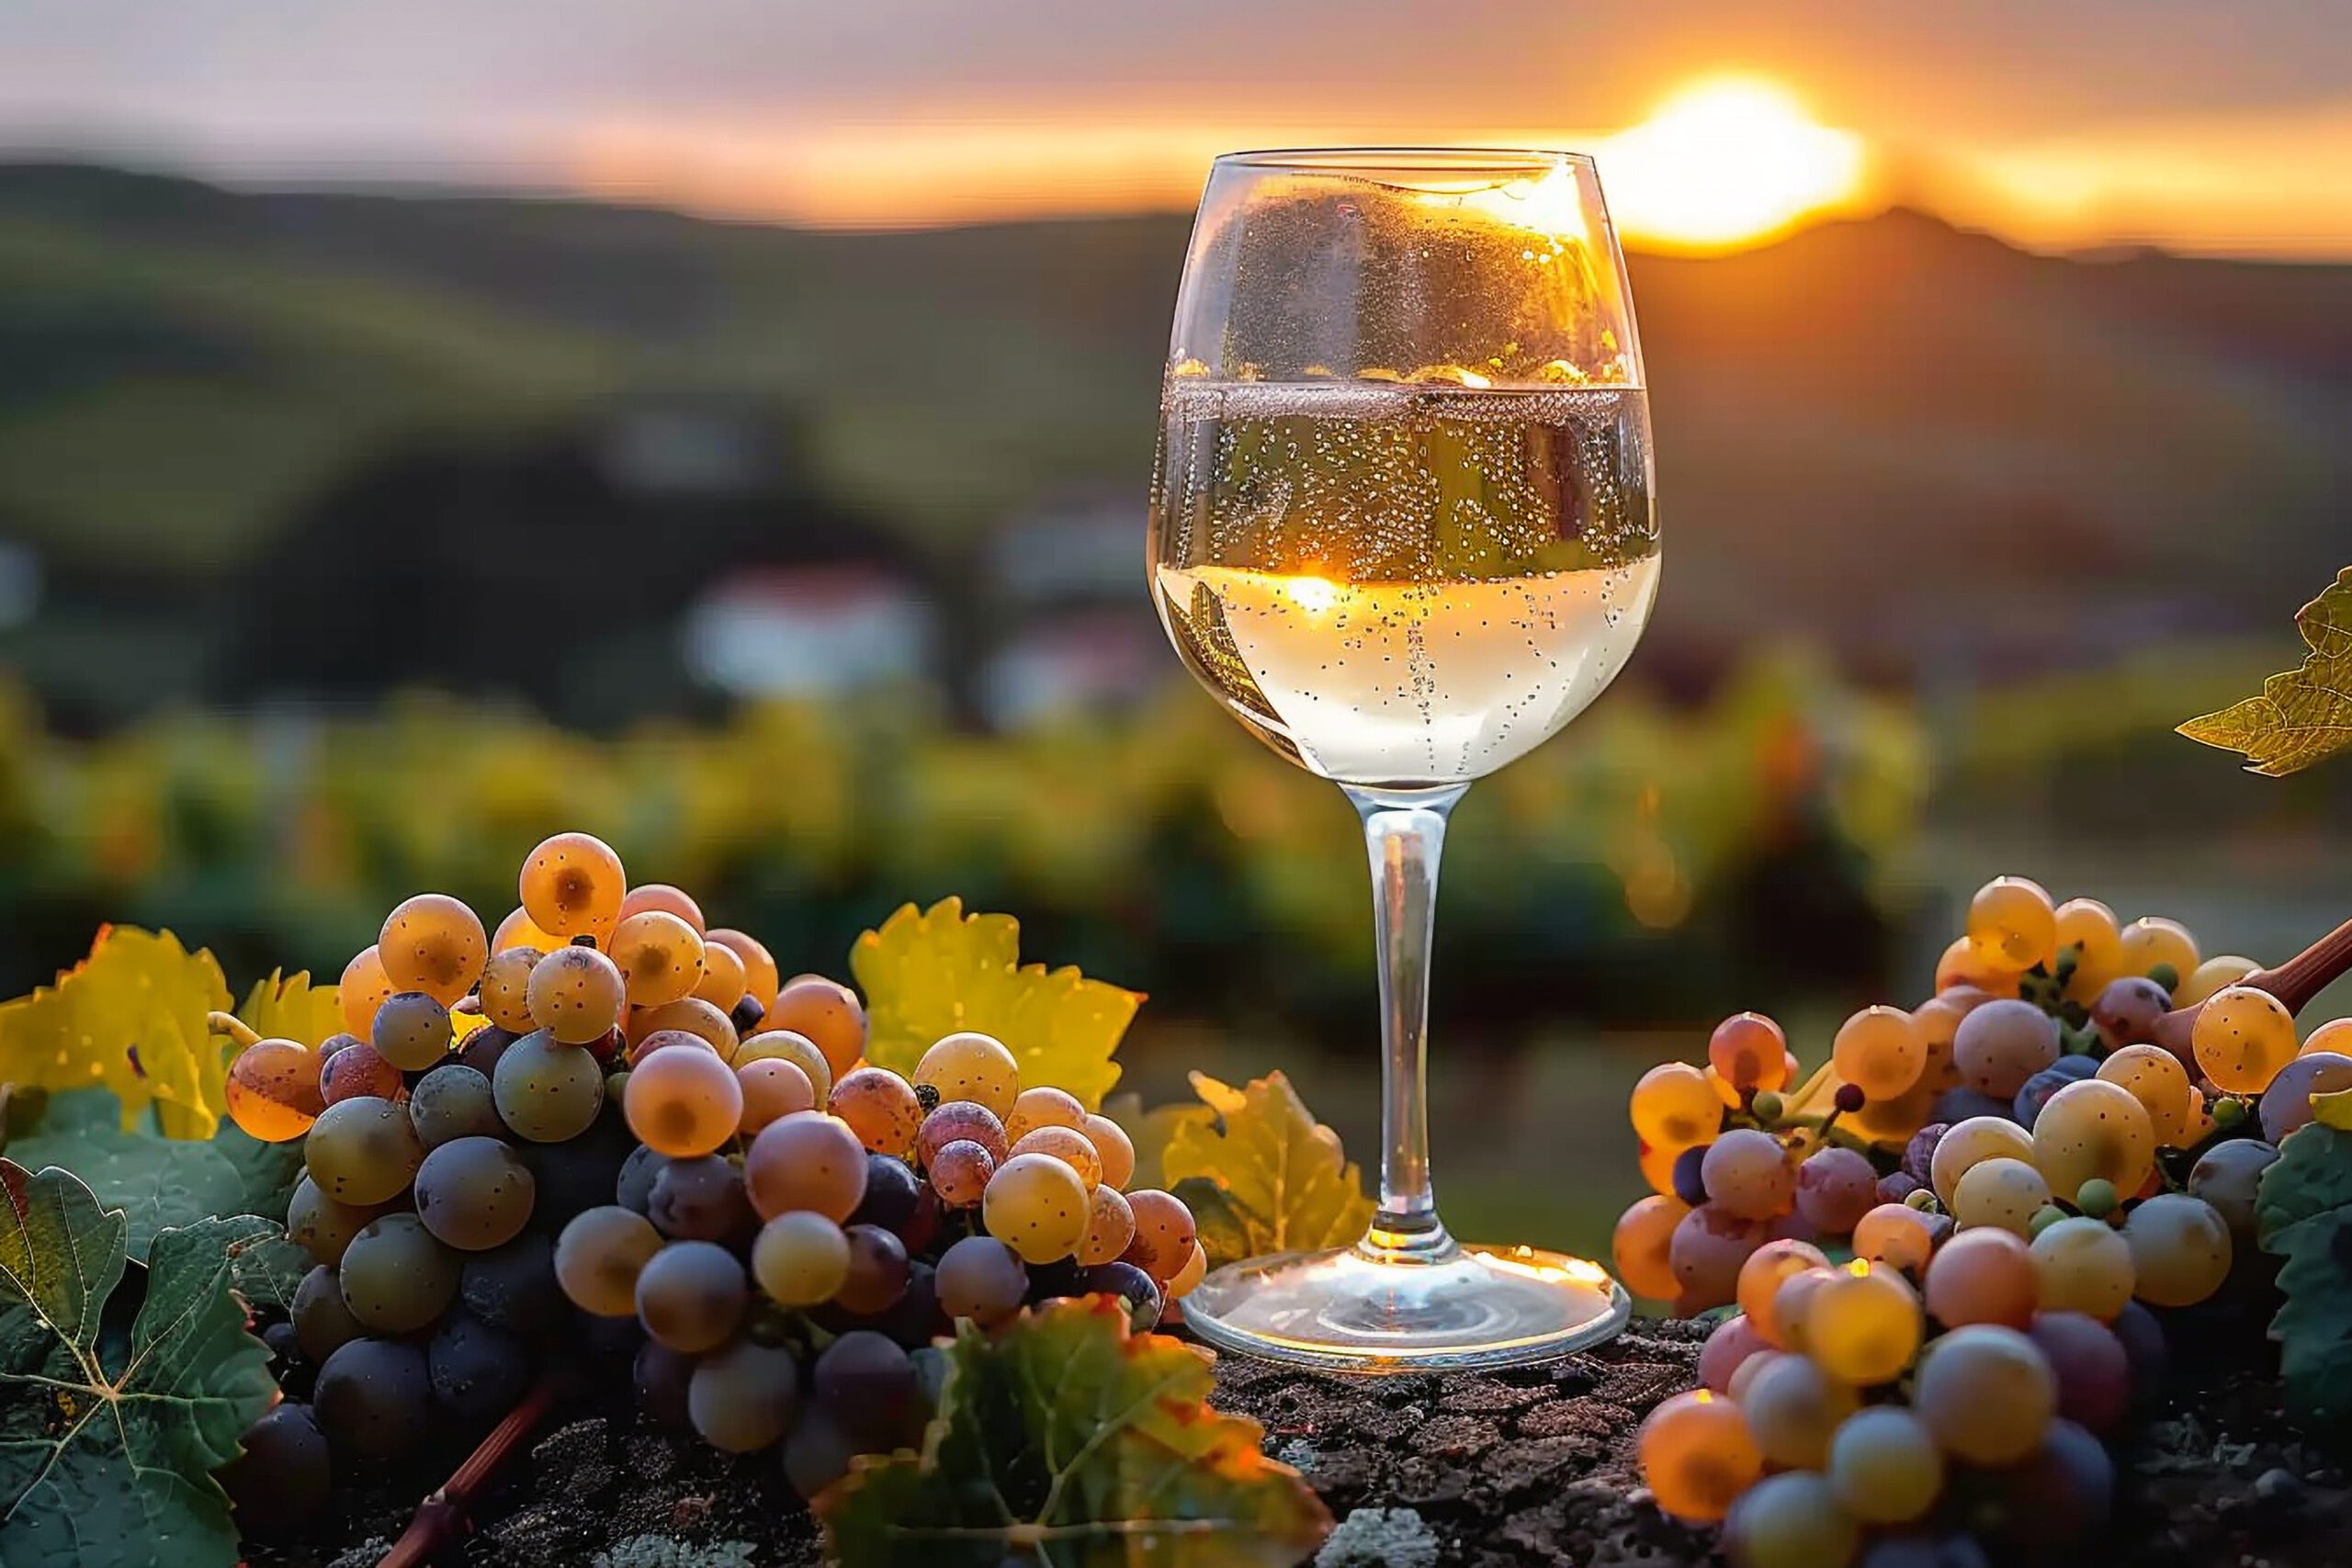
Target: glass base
(1346, 1311)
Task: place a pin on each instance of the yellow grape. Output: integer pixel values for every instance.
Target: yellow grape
(974, 1068)
(599, 1255)
(1113, 1147)
(1656, 1165)
(1067, 1146)
(1983, 1276)
(691, 1015)
(829, 1013)
(2180, 1249)
(506, 988)
(1793, 1409)
(1749, 1051)
(2335, 1035)
(1986, 1393)
(1674, 1107)
(1188, 1278)
(2213, 974)
(2196, 1119)
(2157, 1080)
(518, 930)
(1761, 1279)
(1165, 1233)
(2090, 928)
(1938, 1020)
(2002, 1193)
(1878, 1052)
(1862, 1325)
(364, 987)
(573, 885)
(658, 956)
(274, 1090)
(1698, 1455)
(1896, 1235)
(1791, 1305)
(800, 1258)
(435, 944)
(1791, 1521)
(574, 993)
(2094, 1128)
(1035, 1108)
(1962, 964)
(668, 900)
(1037, 1205)
(2242, 1038)
(2011, 923)
(2153, 940)
(1110, 1226)
(1966, 1142)
(1641, 1246)
(2083, 1266)
(784, 1045)
(1885, 1466)
(773, 1089)
(761, 981)
(880, 1108)
(683, 1103)
(723, 981)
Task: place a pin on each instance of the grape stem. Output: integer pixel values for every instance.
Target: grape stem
(441, 1519)
(2294, 983)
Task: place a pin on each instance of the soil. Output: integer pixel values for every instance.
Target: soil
(1461, 1471)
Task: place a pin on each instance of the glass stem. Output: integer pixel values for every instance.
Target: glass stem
(1404, 833)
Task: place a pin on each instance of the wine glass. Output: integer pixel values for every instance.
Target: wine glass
(1401, 527)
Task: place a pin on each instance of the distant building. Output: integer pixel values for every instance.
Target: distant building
(1075, 626)
(810, 631)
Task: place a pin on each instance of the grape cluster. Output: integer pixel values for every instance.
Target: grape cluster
(608, 1125)
(2018, 1172)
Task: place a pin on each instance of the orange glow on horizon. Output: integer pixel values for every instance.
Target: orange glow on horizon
(1726, 163)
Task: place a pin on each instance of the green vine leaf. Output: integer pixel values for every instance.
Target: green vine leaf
(156, 1182)
(1070, 1440)
(2305, 1216)
(932, 972)
(108, 1438)
(2304, 714)
(1271, 1179)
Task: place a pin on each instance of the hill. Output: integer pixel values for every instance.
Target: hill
(1933, 449)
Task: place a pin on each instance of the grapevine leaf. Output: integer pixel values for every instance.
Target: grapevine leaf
(1282, 1178)
(930, 973)
(1075, 1443)
(2303, 714)
(288, 1007)
(157, 1182)
(1151, 1131)
(130, 1017)
(2303, 1213)
(108, 1439)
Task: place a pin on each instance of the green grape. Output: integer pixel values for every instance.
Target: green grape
(683, 1102)
(1760, 1277)
(322, 1325)
(1110, 1225)
(957, 1120)
(363, 1151)
(1794, 1408)
(2011, 923)
(743, 1398)
(1862, 1325)
(881, 1109)
(1789, 1521)
(808, 1161)
(960, 1173)
(451, 1101)
(981, 1279)
(435, 944)
(572, 884)
(1674, 1107)
(273, 1091)
(1885, 1466)
(322, 1226)
(1037, 1205)
(506, 988)
(2094, 1131)
(2001, 1044)
(801, 1258)
(1880, 1052)
(576, 994)
(1983, 1276)
(691, 1295)
(412, 1031)
(783, 1045)
(2001, 1193)
(599, 1257)
(2083, 1266)
(396, 1278)
(660, 957)
(877, 1273)
(513, 1286)
(1747, 1175)
(374, 1401)
(2180, 1249)
(1986, 1394)
(474, 1193)
(546, 1091)
(1966, 1142)
(2096, 1198)
(1698, 1455)
(973, 1067)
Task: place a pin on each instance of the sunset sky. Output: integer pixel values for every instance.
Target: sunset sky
(1718, 122)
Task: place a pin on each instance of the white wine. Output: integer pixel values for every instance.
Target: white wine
(1403, 585)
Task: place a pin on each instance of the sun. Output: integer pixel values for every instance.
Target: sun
(1727, 163)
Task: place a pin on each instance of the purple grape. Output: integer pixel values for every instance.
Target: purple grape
(2093, 1371)
(1894, 1188)
(2038, 1089)
(1687, 1186)
(1919, 1154)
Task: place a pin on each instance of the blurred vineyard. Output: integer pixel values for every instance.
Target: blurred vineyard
(1164, 850)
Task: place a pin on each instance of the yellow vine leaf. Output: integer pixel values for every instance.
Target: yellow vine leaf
(2304, 714)
(1269, 1179)
(288, 1007)
(132, 1018)
(933, 972)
